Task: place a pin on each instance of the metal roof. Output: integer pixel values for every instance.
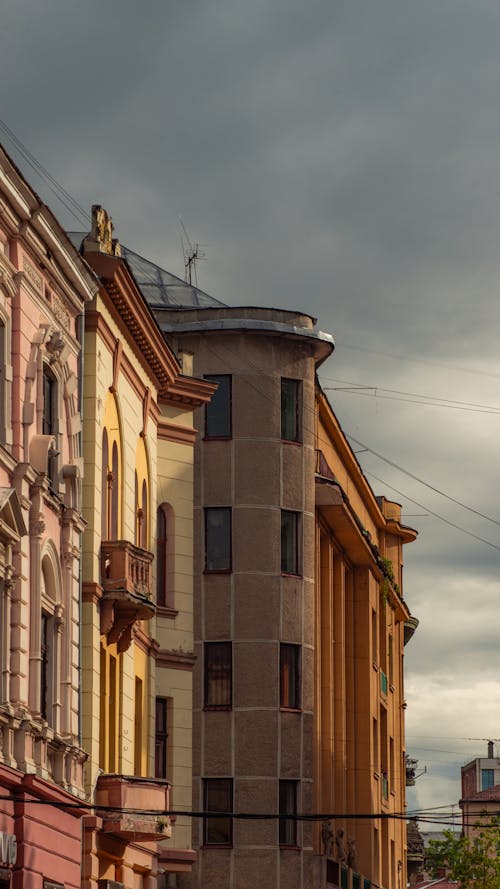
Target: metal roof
(159, 288)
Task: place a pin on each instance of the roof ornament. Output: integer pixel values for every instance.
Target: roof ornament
(100, 239)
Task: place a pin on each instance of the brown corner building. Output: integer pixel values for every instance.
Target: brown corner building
(300, 620)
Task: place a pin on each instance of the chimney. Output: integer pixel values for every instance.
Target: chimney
(490, 750)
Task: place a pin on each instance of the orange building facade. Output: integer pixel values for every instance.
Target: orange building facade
(362, 621)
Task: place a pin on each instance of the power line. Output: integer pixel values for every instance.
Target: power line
(435, 514)
(412, 400)
(66, 199)
(413, 360)
(422, 482)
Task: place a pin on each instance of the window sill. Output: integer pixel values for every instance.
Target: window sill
(214, 708)
(290, 709)
(291, 574)
(217, 846)
(166, 611)
(218, 571)
(289, 848)
(217, 438)
(292, 441)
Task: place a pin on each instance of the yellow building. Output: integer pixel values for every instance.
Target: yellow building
(362, 623)
(137, 653)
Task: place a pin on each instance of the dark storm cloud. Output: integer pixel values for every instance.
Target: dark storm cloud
(339, 157)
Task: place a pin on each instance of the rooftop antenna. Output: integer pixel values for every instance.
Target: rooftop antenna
(192, 254)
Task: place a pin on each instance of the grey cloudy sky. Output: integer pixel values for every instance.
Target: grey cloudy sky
(342, 157)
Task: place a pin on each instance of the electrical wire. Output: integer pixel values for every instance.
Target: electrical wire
(421, 481)
(435, 514)
(413, 360)
(62, 195)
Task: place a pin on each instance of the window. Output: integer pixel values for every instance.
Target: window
(218, 675)
(161, 738)
(218, 797)
(218, 421)
(487, 779)
(165, 556)
(289, 542)
(287, 806)
(290, 410)
(45, 665)
(218, 539)
(49, 420)
(290, 676)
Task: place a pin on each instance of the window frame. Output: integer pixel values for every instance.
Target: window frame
(290, 688)
(287, 828)
(227, 568)
(215, 403)
(291, 566)
(223, 664)
(161, 737)
(208, 823)
(295, 409)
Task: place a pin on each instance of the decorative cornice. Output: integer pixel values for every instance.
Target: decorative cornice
(91, 592)
(190, 391)
(134, 317)
(175, 660)
(168, 431)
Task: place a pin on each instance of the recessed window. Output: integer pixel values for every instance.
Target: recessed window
(218, 420)
(218, 675)
(218, 539)
(287, 807)
(289, 542)
(161, 737)
(218, 797)
(290, 409)
(290, 676)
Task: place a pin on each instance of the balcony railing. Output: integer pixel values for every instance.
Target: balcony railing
(139, 806)
(126, 567)
(126, 581)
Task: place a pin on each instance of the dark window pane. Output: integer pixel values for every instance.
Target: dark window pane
(288, 806)
(290, 676)
(49, 405)
(218, 539)
(218, 797)
(218, 674)
(44, 666)
(218, 411)
(161, 737)
(161, 557)
(290, 410)
(289, 542)
(487, 779)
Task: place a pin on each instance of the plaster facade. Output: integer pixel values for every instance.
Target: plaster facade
(44, 286)
(287, 687)
(137, 636)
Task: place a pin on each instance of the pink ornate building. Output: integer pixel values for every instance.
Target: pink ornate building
(44, 285)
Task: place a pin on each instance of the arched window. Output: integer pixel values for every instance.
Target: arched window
(141, 496)
(111, 472)
(165, 555)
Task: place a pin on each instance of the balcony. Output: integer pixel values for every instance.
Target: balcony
(132, 798)
(127, 587)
